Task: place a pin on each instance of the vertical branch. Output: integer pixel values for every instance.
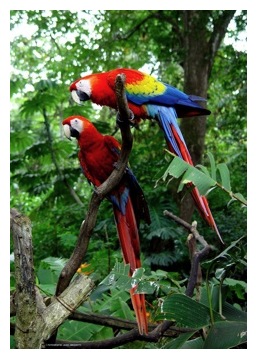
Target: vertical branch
(34, 321)
(25, 297)
(196, 256)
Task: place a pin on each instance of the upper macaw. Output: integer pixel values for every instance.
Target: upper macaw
(152, 99)
(98, 155)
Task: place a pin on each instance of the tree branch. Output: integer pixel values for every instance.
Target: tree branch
(118, 323)
(219, 31)
(131, 31)
(196, 256)
(25, 295)
(122, 339)
(34, 321)
(99, 194)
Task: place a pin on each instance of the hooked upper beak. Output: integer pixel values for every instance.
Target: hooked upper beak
(79, 96)
(67, 131)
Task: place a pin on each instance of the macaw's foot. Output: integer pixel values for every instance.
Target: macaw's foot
(131, 120)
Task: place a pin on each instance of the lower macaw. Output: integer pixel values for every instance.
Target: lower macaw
(98, 155)
(152, 99)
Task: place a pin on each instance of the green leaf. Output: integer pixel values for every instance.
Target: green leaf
(213, 165)
(224, 335)
(241, 198)
(238, 286)
(231, 313)
(203, 169)
(110, 302)
(49, 270)
(196, 343)
(178, 342)
(119, 277)
(225, 176)
(187, 312)
(178, 167)
(123, 310)
(48, 289)
(147, 287)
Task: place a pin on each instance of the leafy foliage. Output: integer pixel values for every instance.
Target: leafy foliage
(60, 47)
(201, 178)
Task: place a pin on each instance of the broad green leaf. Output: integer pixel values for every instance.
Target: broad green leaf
(110, 302)
(187, 312)
(225, 335)
(238, 286)
(137, 274)
(178, 342)
(48, 289)
(119, 277)
(74, 330)
(231, 313)
(49, 270)
(199, 179)
(147, 287)
(203, 169)
(196, 343)
(225, 176)
(123, 310)
(178, 167)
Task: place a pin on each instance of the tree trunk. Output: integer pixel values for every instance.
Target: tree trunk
(200, 49)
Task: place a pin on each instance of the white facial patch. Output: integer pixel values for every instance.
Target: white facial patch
(84, 86)
(77, 124)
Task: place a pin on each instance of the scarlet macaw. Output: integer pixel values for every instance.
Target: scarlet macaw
(152, 99)
(98, 155)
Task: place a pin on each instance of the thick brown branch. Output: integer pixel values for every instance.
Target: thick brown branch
(122, 339)
(90, 220)
(35, 321)
(118, 323)
(25, 295)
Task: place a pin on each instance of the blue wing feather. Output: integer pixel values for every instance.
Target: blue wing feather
(170, 97)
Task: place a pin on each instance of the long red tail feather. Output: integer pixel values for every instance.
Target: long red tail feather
(200, 201)
(130, 246)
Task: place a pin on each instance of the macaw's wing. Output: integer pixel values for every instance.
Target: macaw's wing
(113, 145)
(160, 94)
(91, 179)
(137, 196)
(129, 186)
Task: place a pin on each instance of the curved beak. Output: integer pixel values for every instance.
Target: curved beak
(67, 131)
(79, 96)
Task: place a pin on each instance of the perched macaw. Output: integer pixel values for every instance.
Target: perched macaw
(149, 98)
(98, 155)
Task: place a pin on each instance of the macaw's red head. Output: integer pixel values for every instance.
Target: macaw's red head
(81, 89)
(73, 126)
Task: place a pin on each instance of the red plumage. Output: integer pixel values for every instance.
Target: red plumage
(98, 155)
(149, 98)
